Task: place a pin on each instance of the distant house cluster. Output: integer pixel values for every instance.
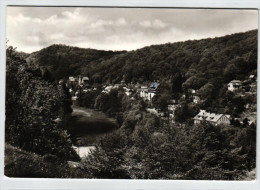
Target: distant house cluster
(77, 84)
(128, 90)
(248, 85)
(213, 118)
(147, 92)
(171, 110)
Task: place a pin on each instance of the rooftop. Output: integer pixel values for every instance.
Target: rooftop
(211, 117)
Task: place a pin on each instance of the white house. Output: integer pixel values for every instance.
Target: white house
(213, 118)
(144, 92)
(252, 77)
(85, 80)
(72, 79)
(107, 89)
(148, 93)
(128, 91)
(234, 85)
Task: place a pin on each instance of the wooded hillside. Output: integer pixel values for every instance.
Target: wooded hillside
(216, 59)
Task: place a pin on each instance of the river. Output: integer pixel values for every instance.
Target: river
(87, 127)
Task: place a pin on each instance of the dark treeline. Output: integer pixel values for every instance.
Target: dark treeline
(36, 111)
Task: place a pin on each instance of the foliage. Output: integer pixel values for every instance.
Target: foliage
(109, 103)
(182, 113)
(32, 105)
(162, 101)
(20, 163)
(174, 152)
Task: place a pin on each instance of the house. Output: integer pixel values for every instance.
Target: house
(74, 99)
(147, 93)
(173, 101)
(85, 80)
(196, 99)
(107, 89)
(72, 79)
(152, 90)
(192, 91)
(128, 91)
(252, 77)
(144, 92)
(172, 107)
(171, 110)
(213, 118)
(253, 87)
(153, 111)
(154, 86)
(122, 82)
(234, 85)
(150, 95)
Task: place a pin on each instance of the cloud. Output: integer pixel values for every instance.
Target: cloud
(31, 29)
(146, 23)
(157, 24)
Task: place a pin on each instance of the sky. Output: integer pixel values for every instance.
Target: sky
(33, 28)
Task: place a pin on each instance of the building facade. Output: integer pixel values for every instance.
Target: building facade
(234, 85)
(213, 118)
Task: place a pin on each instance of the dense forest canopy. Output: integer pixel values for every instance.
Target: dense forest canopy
(233, 56)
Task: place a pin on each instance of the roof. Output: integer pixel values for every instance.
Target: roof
(236, 82)
(72, 79)
(211, 117)
(154, 85)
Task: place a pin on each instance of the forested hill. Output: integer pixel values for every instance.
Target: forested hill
(63, 61)
(213, 59)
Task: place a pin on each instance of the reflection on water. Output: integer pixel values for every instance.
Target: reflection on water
(88, 126)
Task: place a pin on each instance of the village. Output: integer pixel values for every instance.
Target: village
(81, 84)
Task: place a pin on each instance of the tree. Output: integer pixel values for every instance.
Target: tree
(206, 91)
(32, 105)
(182, 113)
(176, 83)
(162, 102)
(230, 72)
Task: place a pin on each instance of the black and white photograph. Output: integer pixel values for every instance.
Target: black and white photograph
(131, 93)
